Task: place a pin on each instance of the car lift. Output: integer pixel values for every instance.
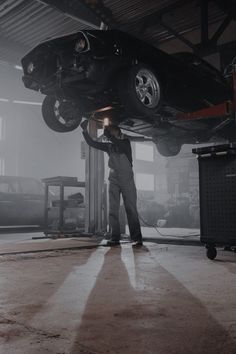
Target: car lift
(95, 215)
(95, 188)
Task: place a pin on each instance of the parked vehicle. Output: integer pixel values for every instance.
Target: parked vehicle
(141, 88)
(22, 204)
(21, 201)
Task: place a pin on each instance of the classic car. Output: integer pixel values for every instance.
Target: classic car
(112, 74)
(22, 203)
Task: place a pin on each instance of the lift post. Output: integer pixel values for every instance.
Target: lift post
(95, 221)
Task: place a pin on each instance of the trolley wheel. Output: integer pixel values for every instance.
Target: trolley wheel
(211, 252)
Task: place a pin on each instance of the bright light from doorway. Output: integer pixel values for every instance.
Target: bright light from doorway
(1, 128)
(2, 167)
(145, 182)
(144, 152)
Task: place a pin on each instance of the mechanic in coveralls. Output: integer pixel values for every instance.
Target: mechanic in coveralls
(121, 180)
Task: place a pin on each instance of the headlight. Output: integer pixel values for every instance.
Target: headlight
(30, 68)
(80, 45)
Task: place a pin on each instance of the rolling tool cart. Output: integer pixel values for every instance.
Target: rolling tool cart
(217, 184)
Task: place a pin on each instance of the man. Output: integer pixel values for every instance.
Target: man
(121, 181)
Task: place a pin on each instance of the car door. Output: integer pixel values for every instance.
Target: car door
(9, 203)
(32, 201)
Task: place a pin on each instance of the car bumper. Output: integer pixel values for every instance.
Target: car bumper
(52, 83)
(87, 75)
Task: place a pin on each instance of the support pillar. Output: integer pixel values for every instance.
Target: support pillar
(94, 179)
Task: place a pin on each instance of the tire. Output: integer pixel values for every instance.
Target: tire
(168, 147)
(61, 116)
(140, 90)
(211, 253)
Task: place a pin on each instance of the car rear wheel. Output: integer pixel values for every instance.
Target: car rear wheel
(140, 90)
(59, 115)
(168, 147)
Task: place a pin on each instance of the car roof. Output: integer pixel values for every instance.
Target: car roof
(15, 178)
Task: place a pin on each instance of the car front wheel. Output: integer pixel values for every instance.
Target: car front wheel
(60, 115)
(168, 147)
(140, 90)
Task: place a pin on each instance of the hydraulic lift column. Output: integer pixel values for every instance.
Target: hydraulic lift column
(94, 186)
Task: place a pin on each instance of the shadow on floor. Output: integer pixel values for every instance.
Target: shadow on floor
(156, 315)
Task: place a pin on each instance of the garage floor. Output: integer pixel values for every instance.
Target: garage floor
(161, 299)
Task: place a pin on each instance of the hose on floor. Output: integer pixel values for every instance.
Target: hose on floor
(164, 235)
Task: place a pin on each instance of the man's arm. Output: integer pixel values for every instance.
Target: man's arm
(123, 144)
(93, 143)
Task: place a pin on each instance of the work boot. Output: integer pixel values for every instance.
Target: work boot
(137, 244)
(113, 243)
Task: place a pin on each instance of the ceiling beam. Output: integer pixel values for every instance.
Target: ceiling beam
(154, 18)
(204, 22)
(179, 36)
(91, 13)
(228, 6)
(99, 9)
(208, 45)
(221, 29)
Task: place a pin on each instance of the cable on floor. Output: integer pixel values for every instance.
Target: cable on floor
(164, 235)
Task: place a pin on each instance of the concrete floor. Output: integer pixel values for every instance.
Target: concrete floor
(156, 300)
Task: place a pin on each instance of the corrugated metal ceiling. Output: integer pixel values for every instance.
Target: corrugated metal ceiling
(24, 23)
(183, 18)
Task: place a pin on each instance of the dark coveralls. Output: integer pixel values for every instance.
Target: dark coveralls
(121, 181)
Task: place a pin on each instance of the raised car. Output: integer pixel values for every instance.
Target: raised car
(114, 75)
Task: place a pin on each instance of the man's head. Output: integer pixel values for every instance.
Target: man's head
(112, 130)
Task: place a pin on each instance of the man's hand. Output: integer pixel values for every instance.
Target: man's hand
(107, 132)
(84, 125)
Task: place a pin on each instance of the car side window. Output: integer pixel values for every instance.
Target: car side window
(7, 187)
(31, 186)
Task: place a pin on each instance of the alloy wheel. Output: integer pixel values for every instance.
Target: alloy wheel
(147, 88)
(63, 113)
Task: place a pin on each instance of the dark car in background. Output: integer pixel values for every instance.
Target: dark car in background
(141, 88)
(21, 201)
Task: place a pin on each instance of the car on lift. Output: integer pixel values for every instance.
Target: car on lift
(112, 74)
